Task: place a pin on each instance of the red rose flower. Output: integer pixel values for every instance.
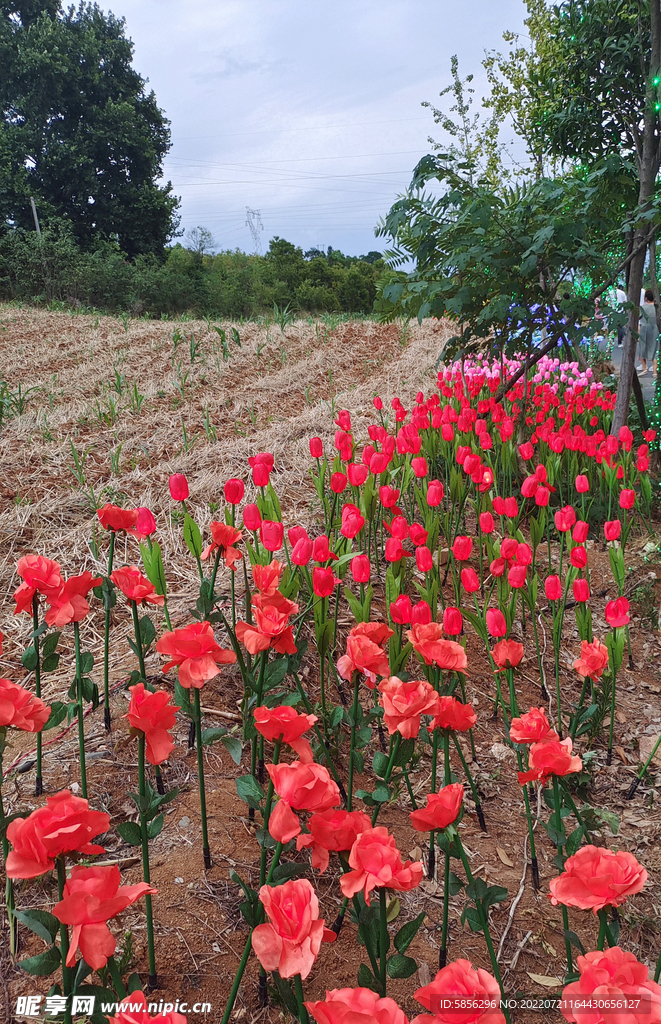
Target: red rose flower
(152, 714)
(441, 810)
(70, 603)
(267, 577)
(20, 708)
(377, 863)
(334, 830)
(224, 539)
(507, 654)
(286, 725)
(596, 877)
(112, 517)
(616, 979)
(593, 659)
(63, 825)
(550, 756)
(531, 727)
(356, 1006)
(456, 987)
(290, 942)
(404, 703)
(195, 651)
(135, 586)
(454, 715)
(365, 652)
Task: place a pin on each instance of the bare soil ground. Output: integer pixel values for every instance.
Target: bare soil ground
(273, 393)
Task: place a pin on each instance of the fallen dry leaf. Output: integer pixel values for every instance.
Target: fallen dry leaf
(505, 857)
(545, 980)
(622, 755)
(646, 746)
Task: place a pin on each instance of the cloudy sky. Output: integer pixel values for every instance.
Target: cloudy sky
(305, 110)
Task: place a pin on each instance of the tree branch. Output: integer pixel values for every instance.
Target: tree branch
(525, 367)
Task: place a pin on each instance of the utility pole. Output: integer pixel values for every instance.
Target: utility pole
(34, 214)
(254, 223)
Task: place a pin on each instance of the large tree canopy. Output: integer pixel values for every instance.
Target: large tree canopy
(79, 131)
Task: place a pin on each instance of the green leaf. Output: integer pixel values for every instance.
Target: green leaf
(50, 663)
(575, 941)
(234, 747)
(40, 922)
(29, 659)
(147, 632)
(58, 712)
(336, 717)
(494, 894)
(405, 753)
(249, 790)
(86, 662)
(210, 736)
(192, 536)
(400, 966)
(130, 833)
(380, 764)
(381, 794)
(471, 915)
(284, 872)
(50, 643)
(574, 841)
(456, 884)
(393, 910)
(275, 673)
(155, 827)
(407, 933)
(358, 761)
(355, 604)
(367, 980)
(182, 698)
(43, 964)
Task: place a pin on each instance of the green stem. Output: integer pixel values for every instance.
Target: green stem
(237, 980)
(138, 641)
(142, 784)
(386, 777)
(322, 743)
(200, 778)
(9, 884)
(383, 938)
(81, 716)
(106, 641)
(298, 988)
(354, 716)
(565, 915)
(267, 814)
(39, 785)
(64, 938)
(443, 953)
(603, 927)
(260, 688)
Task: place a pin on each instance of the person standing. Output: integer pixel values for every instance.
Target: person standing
(648, 333)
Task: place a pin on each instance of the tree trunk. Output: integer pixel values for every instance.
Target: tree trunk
(647, 172)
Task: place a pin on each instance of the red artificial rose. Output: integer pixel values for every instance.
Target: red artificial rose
(404, 703)
(270, 626)
(305, 787)
(333, 830)
(441, 810)
(20, 708)
(452, 714)
(596, 877)
(619, 982)
(290, 942)
(285, 725)
(135, 1010)
(40, 576)
(427, 641)
(70, 603)
(365, 652)
(178, 487)
(356, 1006)
(459, 993)
(91, 897)
(152, 714)
(112, 517)
(593, 660)
(617, 612)
(223, 539)
(507, 654)
(194, 649)
(531, 727)
(550, 756)
(63, 825)
(135, 586)
(377, 863)
(267, 577)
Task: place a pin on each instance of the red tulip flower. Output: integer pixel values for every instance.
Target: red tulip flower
(352, 521)
(145, 523)
(442, 809)
(290, 942)
(594, 878)
(469, 580)
(135, 586)
(261, 475)
(581, 589)
(462, 548)
(420, 613)
(324, 582)
(400, 610)
(388, 496)
(565, 519)
(65, 824)
(627, 498)
(195, 651)
(420, 467)
(302, 551)
(423, 559)
(252, 518)
(453, 622)
(178, 487)
(360, 569)
(434, 493)
(338, 482)
(316, 448)
(91, 897)
(321, 551)
(357, 474)
(271, 535)
(486, 522)
(582, 484)
(580, 532)
(617, 612)
(612, 529)
(553, 588)
(377, 863)
(377, 403)
(21, 709)
(394, 550)
(153, 715)
(234, 490)
(578, 557)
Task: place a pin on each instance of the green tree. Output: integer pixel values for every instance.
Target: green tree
(79, 131)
